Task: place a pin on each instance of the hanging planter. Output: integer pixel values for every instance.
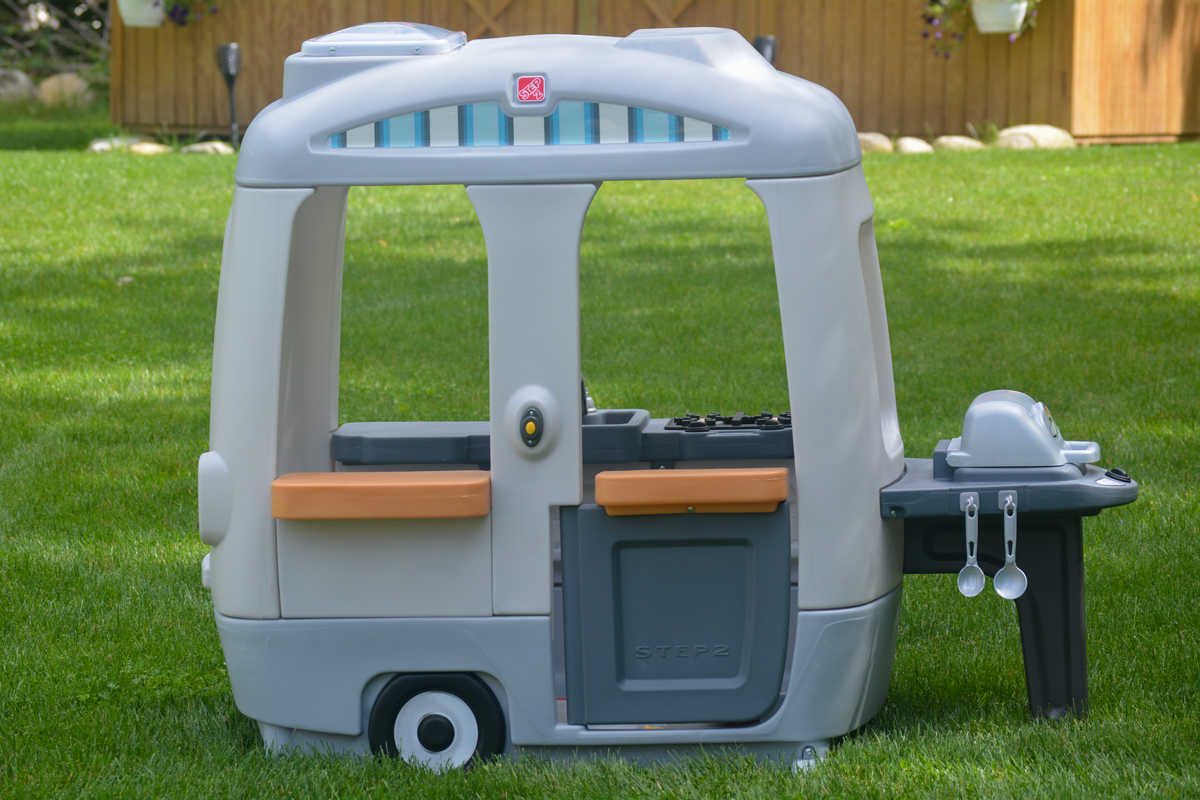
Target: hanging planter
(142, 13)
(946, 21)
(999, 16)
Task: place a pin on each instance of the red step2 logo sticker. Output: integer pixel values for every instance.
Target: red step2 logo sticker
(531, 88)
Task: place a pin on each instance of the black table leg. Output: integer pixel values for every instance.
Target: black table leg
(1050, 613)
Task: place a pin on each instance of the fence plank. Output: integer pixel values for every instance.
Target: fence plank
(895, 46)
(768, 17)
(1040, 41)
(745, 19)
(915, 54)
(790, 31)
(148, 89)
(1066, 39)
(1189, 68)
(811, 62)
(852, 58)
(933, 114)
(954, 108)
(1018, 79)
(832, 43)
(870, 115)
(997, 91)
(167, 46)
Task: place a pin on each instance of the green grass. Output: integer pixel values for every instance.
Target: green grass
(32, 126)
(1074, 276)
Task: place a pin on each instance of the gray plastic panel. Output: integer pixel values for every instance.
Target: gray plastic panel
(610, 436)
(412, 443)
(674, 618)
(313, 675)
(1040, 490)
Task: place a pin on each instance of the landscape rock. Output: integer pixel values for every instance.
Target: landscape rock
(911, 144)
(15, 85)
(874, 143)
(215, 148)
(1044, 137)
(113, 143)
(149, 148)
(66, 88)
(1016, 141)
(957, 143)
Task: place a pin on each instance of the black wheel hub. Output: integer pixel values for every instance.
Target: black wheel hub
(435, 733)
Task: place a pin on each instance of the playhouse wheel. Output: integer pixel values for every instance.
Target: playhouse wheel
(443, 721)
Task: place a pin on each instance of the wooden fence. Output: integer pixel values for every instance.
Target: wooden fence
(1104, 69)
(1137, 69)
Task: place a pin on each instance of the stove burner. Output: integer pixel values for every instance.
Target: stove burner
(766, 421)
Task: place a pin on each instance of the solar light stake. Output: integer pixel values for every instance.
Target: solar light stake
(229, 61)
(768, 47)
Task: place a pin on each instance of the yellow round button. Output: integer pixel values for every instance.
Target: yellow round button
(530, 427)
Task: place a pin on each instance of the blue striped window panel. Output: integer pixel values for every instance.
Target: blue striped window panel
(485, 125)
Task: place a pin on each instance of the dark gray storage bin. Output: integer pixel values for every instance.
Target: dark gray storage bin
(674, 618)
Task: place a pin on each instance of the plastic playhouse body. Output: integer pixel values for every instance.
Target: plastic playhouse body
(561, 579)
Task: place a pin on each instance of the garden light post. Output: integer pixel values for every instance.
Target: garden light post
(229, 61)
(768, 47)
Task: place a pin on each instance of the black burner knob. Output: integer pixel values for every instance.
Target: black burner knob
(1118, 474)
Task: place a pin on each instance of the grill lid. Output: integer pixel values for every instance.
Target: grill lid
(1010, 429)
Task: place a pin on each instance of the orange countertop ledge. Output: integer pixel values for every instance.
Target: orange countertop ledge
(700, 491)
(381, 495)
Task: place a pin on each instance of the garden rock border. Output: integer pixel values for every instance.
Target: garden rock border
(114, 143)
(1018, 137)
(1043, 137)
(957, 143)
(874, 143)
(149, 148)
(911, 144)
(15, 85)
(65, 88)
(214, 147)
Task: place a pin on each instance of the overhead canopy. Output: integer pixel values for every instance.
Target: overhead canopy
(389, 104)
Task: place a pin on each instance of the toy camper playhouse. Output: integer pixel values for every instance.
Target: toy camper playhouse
(561, 579)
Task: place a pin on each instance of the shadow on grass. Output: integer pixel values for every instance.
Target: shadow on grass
(157, 304)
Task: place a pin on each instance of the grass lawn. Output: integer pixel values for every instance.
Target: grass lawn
(1073, 276)
(32, 126)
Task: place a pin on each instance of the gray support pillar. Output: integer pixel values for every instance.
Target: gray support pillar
(532, 235)
(847, 555)
(243, 426)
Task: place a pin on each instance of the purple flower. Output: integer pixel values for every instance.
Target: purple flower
(1012, 37)
(937, 35)
(178, 14)
(937, 21)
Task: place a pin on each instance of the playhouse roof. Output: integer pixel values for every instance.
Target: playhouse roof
(398, 104)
